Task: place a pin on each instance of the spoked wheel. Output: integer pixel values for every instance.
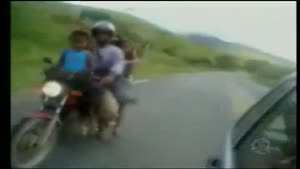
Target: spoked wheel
(26, 152)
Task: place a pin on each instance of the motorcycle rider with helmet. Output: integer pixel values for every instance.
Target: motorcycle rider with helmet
(109, 63)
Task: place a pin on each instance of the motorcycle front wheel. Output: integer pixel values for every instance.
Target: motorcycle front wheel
(25, 150)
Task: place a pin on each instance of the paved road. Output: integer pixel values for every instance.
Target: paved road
(179, 121)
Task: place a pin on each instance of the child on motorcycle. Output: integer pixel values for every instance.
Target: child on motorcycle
(77, 59)
(130, 57)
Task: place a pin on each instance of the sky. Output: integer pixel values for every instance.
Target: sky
(270, 26)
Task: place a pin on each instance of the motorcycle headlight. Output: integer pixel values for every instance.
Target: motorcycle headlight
(52, 89)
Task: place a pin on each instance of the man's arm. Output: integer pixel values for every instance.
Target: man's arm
(89, 62)
(134, 59)
(117, 68)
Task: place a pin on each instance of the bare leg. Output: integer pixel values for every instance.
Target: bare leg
(94, 117)
(119, 119)
(95, 113)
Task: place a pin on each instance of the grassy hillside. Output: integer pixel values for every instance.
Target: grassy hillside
(40, 29)
(216, 42)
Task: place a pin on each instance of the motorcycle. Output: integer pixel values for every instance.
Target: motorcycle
(34, 136)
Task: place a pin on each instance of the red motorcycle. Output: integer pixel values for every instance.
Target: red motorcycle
(34, 136)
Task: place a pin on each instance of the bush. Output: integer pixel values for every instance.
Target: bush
(198, 61)
(266, 69)
(253, 66)
(169, 51)
(265, 72)
(273, 71)
(169, 45)
(228, 62)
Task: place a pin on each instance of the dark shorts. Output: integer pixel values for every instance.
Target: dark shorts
(119, 89)
(127, 71)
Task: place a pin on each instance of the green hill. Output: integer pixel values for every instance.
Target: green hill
(40, 29)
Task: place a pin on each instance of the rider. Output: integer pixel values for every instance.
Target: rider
(77, 59)
(130, 57)
(109, 64)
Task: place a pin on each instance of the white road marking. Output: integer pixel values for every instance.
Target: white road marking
(140, 81)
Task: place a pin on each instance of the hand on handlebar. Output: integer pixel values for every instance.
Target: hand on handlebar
(71, 76)
(106, 80)
(96, 78)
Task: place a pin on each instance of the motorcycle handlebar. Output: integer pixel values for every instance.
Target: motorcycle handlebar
(90, 74)
(96, 77)
(55, 72)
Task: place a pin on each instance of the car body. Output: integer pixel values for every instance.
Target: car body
(265, 136)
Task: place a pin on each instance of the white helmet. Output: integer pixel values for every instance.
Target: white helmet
(103, 26)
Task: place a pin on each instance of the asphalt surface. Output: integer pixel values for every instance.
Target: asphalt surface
(179, 121)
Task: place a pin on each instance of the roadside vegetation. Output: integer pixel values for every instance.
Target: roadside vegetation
(40, 29)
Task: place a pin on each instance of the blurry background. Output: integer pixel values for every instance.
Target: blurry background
(207, 63)
(170, 37)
